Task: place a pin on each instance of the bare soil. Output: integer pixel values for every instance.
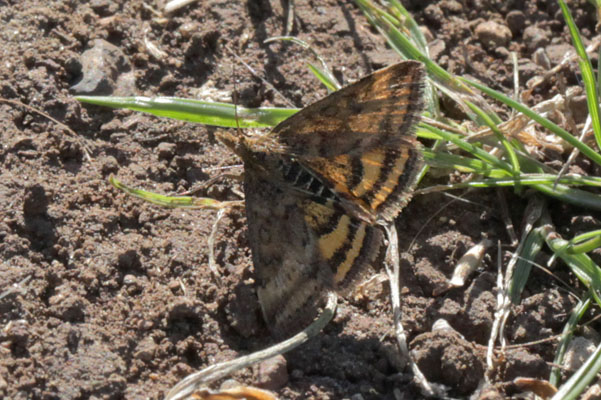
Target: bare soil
(110, 298)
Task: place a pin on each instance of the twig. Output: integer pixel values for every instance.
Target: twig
(506, 218)
(392, 264)
(569, 57)
(194, 381)
(503, 304)
(574, 152)
(176, 5)
(211, 244)
(290, 18)
(516, 80)
(15, 288)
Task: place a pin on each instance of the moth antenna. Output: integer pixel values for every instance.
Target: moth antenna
(235, 99)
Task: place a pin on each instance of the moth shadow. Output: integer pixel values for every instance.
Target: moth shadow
(334, 362)
(345, 365)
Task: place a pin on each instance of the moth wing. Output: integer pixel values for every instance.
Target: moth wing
(302, 247)
(361, 141)
(380, 109)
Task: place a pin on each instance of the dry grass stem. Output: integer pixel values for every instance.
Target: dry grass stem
(392, 264)
(211, 243)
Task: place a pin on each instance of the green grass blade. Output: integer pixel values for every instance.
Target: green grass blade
(587, 72)
(581, 265)
(585, 243)
(573, 196)
(566, 337)
(328, 81)
(599, 70)
(532, 246)
(204, 112)
(170, 201)
(542, 183)
(578, 382)
(562, 133)
(500, 137)
(401, 13)
(469, 147)
(461, 163)
(500, 178)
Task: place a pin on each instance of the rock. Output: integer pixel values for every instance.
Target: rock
(541, 59)
(520, 362)
(67, 304)
(17, 332)
(492, 34)
(534, 37)
(189, 28)
(103, 8)
(129, 260)
(273, 373)
(556, 52)
(109, 165)
(579, 350)
(577, 103)
(433, 14)
(437, 48)
(502, 52)
(166, 150)
(451, 7)
(146, 349)
(106, 70)
(592, 393)
(427, 33)
(516, 20)
(528, 69)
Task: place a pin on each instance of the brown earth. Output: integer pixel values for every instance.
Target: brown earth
(106, 297)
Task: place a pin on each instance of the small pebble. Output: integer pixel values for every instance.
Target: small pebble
(557, 52)
(516, 20)
(492, 34)
(166, 150)
(273, 373)
(535, 37)
(145, 350)
(109, 165)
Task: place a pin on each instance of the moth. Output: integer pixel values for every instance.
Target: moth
(318, 186)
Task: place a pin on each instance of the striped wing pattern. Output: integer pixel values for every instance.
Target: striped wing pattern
(318, 185)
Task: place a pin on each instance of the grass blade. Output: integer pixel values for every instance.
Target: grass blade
(566, 337)
(204, 112)
(532, 246)
(574, 387)
(171, 201)
(587, 72)
(556, 129)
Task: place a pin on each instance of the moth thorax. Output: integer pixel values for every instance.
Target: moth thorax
(236, 143)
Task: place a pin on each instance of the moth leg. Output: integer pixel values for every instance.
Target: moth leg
(234, 176)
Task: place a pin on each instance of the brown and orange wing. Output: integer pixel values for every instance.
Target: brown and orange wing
(302, 247)
(361, 139)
